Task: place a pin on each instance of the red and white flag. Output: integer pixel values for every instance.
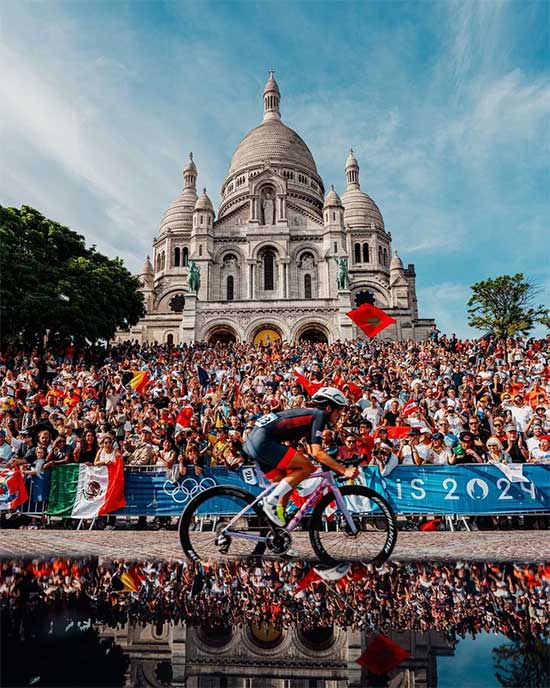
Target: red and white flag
(410, 407)
(331, 575)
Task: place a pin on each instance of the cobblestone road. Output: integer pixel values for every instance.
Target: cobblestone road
(525, 546)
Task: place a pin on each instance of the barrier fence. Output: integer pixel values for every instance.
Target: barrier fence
(465, 490)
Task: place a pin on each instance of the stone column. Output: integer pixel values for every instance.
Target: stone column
(345, 324)
(251, 287)
(285, 262)
(280, 209)
(187, 329)
(254, 215)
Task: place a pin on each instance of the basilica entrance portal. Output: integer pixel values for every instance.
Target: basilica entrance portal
(267, 335)
(314, 335)
(223, 335)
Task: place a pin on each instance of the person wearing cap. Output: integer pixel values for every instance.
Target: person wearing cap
(383, 456)
(220, 445)
(514, 445)
(410, 453)
(541, 454)
(464, 452)
(450, 439)
(439, 452)
(143, 453)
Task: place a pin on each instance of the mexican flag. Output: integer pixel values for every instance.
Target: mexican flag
(80, 491)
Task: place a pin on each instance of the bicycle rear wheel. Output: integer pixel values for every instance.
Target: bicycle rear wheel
(202, 523)
(331, 536)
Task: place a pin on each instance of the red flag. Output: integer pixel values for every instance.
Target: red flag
(309, 386)
(382, 655)
(410, 407)
(332, 575)
(13, 491)
(395, 432)
(184, 416)
(369, 319)
(353, 390)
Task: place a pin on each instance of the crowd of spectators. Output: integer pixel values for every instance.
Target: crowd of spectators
(457, 598)
(442, 401)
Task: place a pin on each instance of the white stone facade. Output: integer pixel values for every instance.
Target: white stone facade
(268, 261)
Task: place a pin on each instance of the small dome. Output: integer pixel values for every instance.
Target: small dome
(179, 215)
(204, 202)
(360, 210)
(332, 199)
(190, 167)
(396, 262)
(147, 268)
(271, 84)
(352, 160)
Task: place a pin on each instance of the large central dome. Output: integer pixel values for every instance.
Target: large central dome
(272, 141)
(272, 144)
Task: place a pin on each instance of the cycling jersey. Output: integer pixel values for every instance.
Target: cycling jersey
(264, 444)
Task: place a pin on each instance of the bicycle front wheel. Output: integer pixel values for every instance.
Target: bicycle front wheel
(376, 529)
(203, 523)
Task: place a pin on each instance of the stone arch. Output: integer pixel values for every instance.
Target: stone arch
(269, 243)
(266, 322)
(305, 324)
(162, 301)
(225, 250)
(268, 178)
(305, 247)
(170, 337)
(224, 332)
(381, 295)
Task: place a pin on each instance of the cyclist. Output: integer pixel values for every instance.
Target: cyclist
(286, 465)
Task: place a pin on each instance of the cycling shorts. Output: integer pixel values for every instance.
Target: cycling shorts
(271, 456)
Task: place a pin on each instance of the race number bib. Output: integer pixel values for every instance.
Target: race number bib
(265, 420)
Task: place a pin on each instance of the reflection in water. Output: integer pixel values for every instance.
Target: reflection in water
(159, 623)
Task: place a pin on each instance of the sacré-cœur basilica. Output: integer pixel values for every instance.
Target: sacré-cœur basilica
(280, 259)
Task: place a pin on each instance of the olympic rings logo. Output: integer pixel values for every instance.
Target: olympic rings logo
(188, 488)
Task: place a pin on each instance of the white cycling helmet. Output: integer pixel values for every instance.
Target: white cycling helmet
(329, 395)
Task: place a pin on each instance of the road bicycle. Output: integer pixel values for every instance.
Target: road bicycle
(349, 522)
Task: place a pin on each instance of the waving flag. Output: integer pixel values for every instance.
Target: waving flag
(331, 575)
(369, 319)
(13, 492)
(140, 381)
(382, 655)
(204, 377)
(395, 432)
(309, 385)
(80, 491)
(410, 407)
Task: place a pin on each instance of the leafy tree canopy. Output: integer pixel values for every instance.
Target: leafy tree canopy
(505, 306)
(51, 281)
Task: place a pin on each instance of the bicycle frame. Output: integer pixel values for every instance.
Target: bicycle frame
(327, 481)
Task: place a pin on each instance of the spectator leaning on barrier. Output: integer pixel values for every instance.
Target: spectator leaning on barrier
(514, 445)
(439, 453)
(464, 452)
(142, 453)
(541, 454)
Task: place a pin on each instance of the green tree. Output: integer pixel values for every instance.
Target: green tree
(524, 662)
(50, 281)
(505, 306)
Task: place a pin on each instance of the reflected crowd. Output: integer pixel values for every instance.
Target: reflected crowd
(457, 598)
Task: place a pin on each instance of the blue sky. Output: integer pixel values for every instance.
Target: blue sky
(446, 105)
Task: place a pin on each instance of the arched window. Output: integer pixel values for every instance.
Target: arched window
(380, 255)
(200, 249)
(357, 250)
(385, 257)
(230, 288)
(269, 269)
(307, 286)
(163, 260)
(365, 253)
(185, 256)
(176, 257)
